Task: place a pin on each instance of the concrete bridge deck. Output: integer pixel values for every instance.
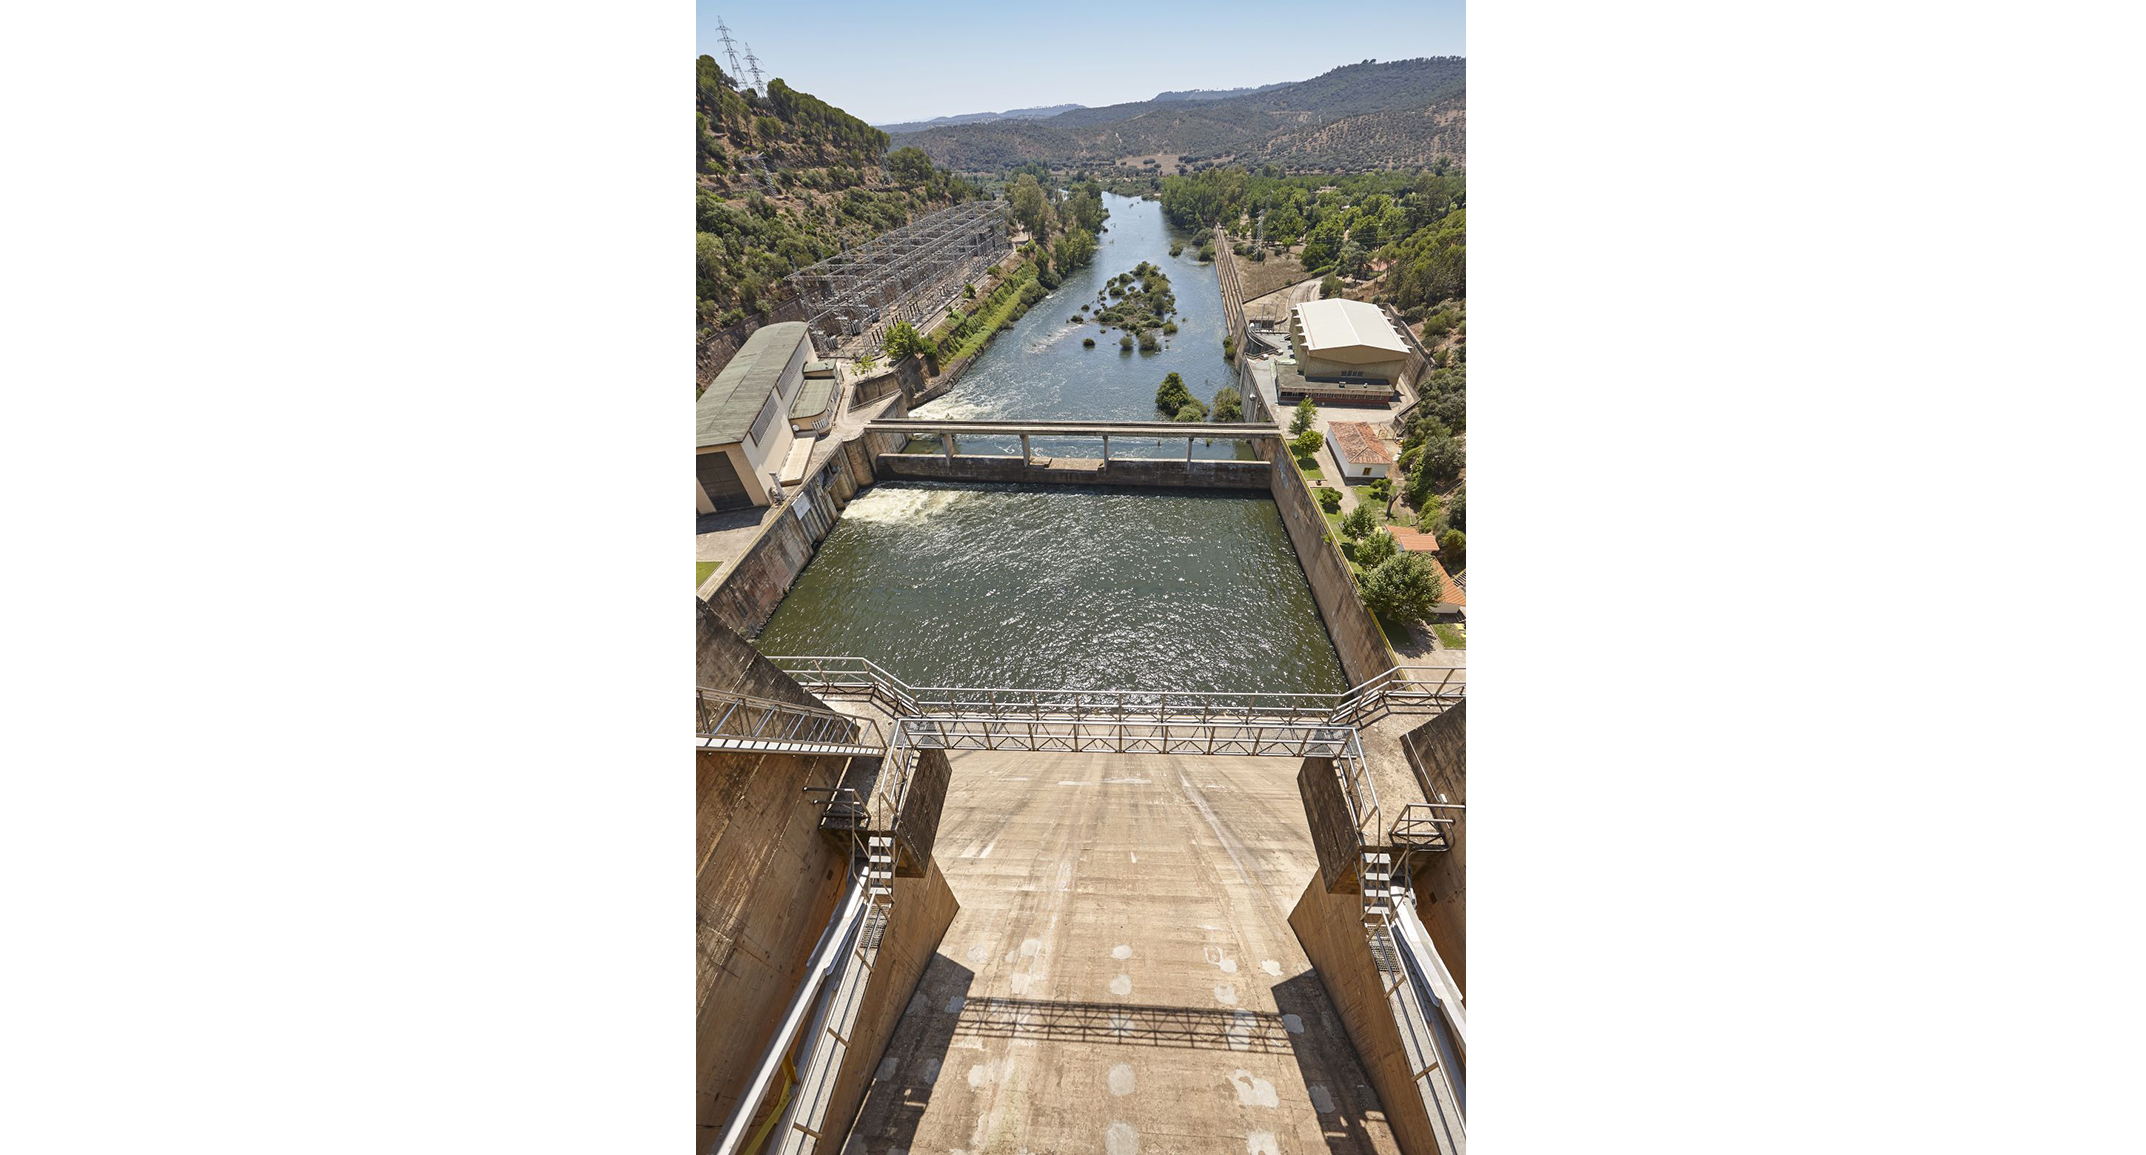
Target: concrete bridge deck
(1122, 975)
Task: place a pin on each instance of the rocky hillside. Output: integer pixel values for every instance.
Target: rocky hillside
(1394, 114)
(786, 179)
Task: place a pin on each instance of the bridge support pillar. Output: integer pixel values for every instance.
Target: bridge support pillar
(1106, 449)
(946, 443)
(1027, 457)
(1188, 450)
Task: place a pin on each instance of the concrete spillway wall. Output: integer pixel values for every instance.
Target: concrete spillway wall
(765, 884)
(1164, 473)
(1355, 633)
(1438, 749)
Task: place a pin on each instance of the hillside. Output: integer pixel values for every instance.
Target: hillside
(1396, 113)
(978, 117)
(786, 179)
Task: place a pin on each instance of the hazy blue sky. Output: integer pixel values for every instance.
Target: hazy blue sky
(894, 62)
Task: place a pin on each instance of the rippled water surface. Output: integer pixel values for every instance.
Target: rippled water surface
(1053, 586)
(1038, 369)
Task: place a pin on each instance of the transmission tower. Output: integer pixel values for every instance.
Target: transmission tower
(752, 63)
(730, 48)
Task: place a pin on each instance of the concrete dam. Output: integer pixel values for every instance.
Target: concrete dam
(1064, 797)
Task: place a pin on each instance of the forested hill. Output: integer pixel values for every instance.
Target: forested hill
(974, 117)
(822, 180)
(1395, 114)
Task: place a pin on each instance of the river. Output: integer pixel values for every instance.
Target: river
(1054, 586)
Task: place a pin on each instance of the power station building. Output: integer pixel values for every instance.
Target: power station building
(1343, 351)
(745, 422)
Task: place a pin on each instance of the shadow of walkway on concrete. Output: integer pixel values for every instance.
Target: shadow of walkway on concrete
(901, 1088)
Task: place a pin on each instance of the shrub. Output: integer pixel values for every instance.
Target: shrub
(1087, 343)
(1457, 509)
(1125, 344)
(1169, 326)
(1149, 343)
(1454, 545)
(1172, 395)
(1207, 251)
(1359, 523)
(1330, 287)
(1192, 411)
(1229, 405)
(1404, 587)
(1176, 248)
(1329, 500)
(1375, 548)
(1380, 490)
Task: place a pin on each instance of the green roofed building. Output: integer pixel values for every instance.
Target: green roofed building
(744, 419)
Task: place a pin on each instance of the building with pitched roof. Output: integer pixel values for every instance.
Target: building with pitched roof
(1357, 451)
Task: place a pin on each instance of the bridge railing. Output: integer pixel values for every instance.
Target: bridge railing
(1402, 686)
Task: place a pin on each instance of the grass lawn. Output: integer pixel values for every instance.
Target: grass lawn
(701, 570)
(1309, 466)
(1451, 637)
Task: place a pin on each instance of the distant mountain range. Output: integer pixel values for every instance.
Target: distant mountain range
(1360, 116)
(978, 118)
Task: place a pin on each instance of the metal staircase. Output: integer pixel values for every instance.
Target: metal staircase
(730, 721)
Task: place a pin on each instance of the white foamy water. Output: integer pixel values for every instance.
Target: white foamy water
(889, 505)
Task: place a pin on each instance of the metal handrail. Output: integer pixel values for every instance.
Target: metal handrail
(1403, 684)
(725, 714)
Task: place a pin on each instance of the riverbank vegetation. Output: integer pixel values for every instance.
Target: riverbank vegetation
(967, 331)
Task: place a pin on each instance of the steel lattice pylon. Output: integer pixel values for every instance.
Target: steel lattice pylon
(853, 298)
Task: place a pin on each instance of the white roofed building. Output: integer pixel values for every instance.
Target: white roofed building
(1346, 350)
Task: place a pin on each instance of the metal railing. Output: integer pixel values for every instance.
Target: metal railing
(730, 721)
(1402, 686)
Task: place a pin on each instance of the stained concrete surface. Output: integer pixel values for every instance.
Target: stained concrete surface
(1122, 976)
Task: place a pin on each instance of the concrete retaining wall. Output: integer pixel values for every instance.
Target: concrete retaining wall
(905, 377)
(1356, 636)
(751, 589)
(765, 884)
(923, 908)
(1333, 833)
(1331, 928)
(1180, 474)
(1438, 749)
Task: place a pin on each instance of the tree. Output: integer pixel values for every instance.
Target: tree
(1229, 405)
(1359, 523)
(1454, 545)
(1306, 413)
(1306, 443)
(1192, 411)
(902, 340)
(1029, 207)
(910, 165)
(1330, 287)
(1457, 509)
(1172, 395)
(1404, 587)
(1075, 249)
(1329, 500)
(1375, 548)
(1381, 490)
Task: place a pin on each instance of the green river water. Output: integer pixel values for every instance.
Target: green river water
(1056, 586)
